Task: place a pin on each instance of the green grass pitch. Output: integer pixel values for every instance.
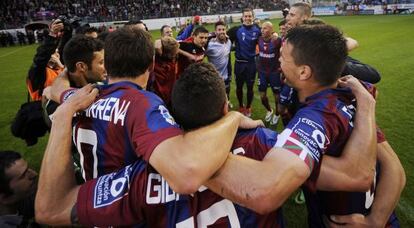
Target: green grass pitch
(386, 42)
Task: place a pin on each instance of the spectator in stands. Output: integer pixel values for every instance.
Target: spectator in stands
(18, 184)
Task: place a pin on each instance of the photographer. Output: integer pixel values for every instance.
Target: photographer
(46, 62)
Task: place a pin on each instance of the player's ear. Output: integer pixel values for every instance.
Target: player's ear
(226, 107)
(305, 72)
(81, 66)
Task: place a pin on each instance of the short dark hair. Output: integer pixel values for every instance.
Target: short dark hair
(80, 49)
(86, 29)
(247, 10)
(322, 47)
(136, 22)
(163, 27)
(102, 36)
(199, 30)
(219, 23)
(304, 7)
(282, 22)
(7, 159)
(198, 97)
(128, 52)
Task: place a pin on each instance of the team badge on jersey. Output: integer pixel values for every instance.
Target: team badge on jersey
(166, 114)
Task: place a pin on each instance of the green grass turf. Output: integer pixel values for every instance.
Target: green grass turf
(386, 42)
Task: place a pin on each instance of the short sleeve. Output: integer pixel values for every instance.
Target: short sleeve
(305, 136)
(113, 199)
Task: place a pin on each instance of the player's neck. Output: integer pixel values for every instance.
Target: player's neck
(310, 90)
(139, 80)
(77, 79)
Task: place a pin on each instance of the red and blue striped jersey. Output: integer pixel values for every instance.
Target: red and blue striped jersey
(123, 125)
(138, 194)
(321, 126)
(269, 51)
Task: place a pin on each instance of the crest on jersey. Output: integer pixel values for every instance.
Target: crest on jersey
(112, 187)
(243, 36)
(166, 114)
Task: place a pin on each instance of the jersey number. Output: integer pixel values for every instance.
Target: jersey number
(89, 137)
(209, 216)
(369, 195)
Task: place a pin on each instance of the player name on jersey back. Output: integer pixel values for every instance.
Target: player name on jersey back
(109, 109)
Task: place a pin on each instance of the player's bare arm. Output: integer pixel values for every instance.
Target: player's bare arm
(389, 187)
(354, 170)
(241, 179)
(187, 161)
(57, 189)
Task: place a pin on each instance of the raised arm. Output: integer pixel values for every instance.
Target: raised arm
(57, 189)
(187, 161)
(354, 170)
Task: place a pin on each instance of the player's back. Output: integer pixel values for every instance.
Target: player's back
(124, 124)
(139, 194)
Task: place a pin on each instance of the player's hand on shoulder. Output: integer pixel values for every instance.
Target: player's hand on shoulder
(82, 98)
(356, 86)
(352, 220)
(248, 123)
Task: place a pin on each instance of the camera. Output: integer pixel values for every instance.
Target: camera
(69, 23)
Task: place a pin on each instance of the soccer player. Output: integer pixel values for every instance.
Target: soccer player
(162, 207)
(192, 49)
(321, 127)
(218, 54)
(84, 60)
(268, 67)
(126, 124)
(298, 13)
(245, 38)
(282, 28)
(137, 24)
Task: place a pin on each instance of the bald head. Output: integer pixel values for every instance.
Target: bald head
(267, 29)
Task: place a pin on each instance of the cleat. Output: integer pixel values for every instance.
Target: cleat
(268, 116)
(275, 119)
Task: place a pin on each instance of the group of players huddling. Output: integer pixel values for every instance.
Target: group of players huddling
(186, 160)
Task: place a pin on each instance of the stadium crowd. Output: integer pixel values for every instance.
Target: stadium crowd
(16, 13)
(131, 149)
